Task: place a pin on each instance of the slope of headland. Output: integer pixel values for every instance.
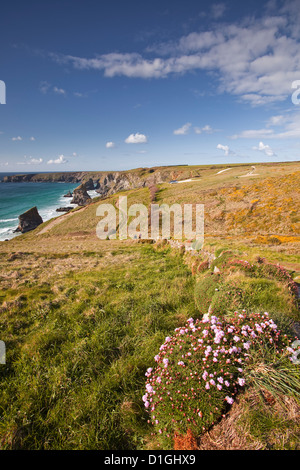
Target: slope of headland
(83, 319)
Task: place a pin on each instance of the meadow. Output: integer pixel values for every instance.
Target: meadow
(83, 320)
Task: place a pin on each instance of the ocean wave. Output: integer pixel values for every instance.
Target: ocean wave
(4, 221)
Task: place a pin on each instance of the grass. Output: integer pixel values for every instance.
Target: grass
(83, 318)
(78, 347)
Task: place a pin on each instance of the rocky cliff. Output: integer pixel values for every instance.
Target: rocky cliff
(107, 183)
(81, 196)
(29, 220)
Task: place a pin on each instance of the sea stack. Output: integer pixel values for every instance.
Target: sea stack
(80, 196)
(29, 220)
(89, 185)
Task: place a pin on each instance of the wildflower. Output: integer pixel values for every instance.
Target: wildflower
(148, 373)
(181, 363)
(149, 388)
(241, 382)
(166, 362)
(219, 387)
(229, 400)
(236, 338)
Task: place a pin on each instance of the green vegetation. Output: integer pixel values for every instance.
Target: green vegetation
(78, 345)
(83, 319)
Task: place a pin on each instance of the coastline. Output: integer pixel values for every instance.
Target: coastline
(47, 197)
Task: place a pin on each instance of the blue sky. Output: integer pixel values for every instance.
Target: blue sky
(94, 85)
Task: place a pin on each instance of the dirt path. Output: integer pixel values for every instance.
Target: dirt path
(58, 220)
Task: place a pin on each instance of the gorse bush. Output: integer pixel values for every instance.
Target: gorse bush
(200, 369)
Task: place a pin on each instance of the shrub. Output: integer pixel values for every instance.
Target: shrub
(199, 370)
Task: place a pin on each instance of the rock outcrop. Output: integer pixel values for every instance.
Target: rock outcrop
(29, 220)
(81, 196)
(69, 194)
(89, 185)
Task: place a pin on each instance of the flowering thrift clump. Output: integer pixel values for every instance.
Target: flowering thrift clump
(199, 371)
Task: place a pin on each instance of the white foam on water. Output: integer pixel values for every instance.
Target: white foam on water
(7, 220)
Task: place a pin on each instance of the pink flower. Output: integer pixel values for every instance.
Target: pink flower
(241, 382)
(229, 400)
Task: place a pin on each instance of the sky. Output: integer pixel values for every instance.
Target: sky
(115, 85)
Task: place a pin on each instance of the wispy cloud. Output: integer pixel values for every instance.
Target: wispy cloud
(59, 91)
(30, 161)
(183, 130)
(278, 127)
(46, 87)
(58, 161)
(207, 129)
(17, 138)
(255, 59)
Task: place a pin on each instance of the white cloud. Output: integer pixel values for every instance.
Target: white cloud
(59, 91)
(136, 139)
(30, 161)
(17, 138)
(183, 130)
(256, 59)
(32, 139)
(290, 128)
(265, 148)
(110, 145)
(224, 147)
(207, 129)
(58, 161)
(46, 87)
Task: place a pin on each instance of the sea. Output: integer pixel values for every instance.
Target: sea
(16, 198)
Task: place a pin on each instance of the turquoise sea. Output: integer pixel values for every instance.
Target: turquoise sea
(16, 198)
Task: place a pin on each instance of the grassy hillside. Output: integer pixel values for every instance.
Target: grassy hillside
(83, 319)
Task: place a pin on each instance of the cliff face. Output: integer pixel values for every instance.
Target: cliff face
(29, 220)
(107, 183)
(80, 196)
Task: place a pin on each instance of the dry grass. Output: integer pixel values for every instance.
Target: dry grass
(239, 430)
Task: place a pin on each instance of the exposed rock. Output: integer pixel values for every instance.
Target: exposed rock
(80, 196)
(89, 185)
(69, 194)
(29, 220)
